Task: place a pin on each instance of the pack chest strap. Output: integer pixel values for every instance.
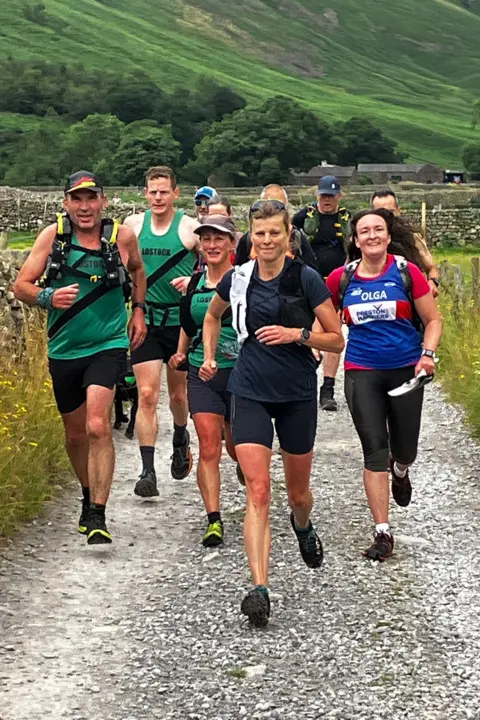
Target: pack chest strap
(71, 312)
(163, 270)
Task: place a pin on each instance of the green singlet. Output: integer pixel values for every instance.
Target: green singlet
(227, 348)
(157, 251)
(100, 326)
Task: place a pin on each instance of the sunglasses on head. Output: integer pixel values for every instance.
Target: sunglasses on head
(258, 205)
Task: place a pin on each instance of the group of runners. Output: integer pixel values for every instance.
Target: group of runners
(241, 323)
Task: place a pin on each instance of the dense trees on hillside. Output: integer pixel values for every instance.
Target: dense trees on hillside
(119, 125)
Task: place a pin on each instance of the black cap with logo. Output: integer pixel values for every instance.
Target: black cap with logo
(83, 180)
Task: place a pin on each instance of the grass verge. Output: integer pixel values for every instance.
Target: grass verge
(33, 461)
(459, 351)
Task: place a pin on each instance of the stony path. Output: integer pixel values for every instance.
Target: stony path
(150, 628)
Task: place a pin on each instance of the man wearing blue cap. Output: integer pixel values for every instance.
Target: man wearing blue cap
(202, 196)
(327, 226)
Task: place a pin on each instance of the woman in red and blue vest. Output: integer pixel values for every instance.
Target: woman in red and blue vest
(382, 297)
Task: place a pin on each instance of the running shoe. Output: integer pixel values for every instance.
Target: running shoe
(382, 547)
(182, 459)
(256, 606)
(327, 399)
(147, 485)
(213, 535)
(401, 487)
(240, 475)
(97, 529)
(82, 522)
(310, 544)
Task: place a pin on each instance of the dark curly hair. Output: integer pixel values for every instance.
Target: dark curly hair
(400, 231)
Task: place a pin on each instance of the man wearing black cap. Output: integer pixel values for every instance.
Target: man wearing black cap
(327, 227)
(82, 260)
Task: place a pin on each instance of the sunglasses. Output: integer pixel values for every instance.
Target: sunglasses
(199, 202)
(258, 205)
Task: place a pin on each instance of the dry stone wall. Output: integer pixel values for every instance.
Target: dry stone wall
(11, 310)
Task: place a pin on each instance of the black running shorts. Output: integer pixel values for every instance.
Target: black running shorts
(209, 397)
(71, 378)
(295, 423)
(160, 344)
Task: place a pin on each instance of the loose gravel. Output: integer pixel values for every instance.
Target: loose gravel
(150, 627)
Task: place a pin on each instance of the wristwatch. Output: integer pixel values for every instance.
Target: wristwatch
(305, 335)
(435, 280)
(141, 305)
(429, 353)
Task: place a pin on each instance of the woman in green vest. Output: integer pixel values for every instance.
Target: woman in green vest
(209, 402)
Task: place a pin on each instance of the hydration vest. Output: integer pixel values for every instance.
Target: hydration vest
(187, 322)
(293, 311)
(402, 266)
(116, 274)
(311, 226)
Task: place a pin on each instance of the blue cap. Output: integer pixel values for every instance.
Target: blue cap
(328, 185)
(205, 193)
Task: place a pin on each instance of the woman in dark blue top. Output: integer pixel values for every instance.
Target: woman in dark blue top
(274, 302)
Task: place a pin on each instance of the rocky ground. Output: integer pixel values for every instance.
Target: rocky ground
(150, 627)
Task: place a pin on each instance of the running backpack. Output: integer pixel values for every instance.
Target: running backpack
(402, 266)
(187, 322)
(311, 225)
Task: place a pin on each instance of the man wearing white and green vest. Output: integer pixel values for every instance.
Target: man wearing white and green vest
(84, 263)
(168, 247)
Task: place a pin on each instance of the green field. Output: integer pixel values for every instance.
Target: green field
(413, 67)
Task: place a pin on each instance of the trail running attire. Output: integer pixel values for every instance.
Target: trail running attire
(327, 235)
(382, 350)
(165, 257)
(90, 348)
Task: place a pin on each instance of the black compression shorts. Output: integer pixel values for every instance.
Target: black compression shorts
(209, 397)
(160, 344)
(71, 378)
(295, 423)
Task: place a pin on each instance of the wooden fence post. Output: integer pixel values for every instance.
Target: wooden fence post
(475, 280)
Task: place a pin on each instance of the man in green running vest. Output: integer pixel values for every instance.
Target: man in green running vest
(87, 330)
(168, 246)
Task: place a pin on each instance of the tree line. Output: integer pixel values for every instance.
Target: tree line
(118, 125)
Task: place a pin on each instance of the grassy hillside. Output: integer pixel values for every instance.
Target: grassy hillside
(412, 66)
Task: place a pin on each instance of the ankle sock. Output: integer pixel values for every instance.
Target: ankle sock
(328, 382)
(86, 496)
(399, 473)
(262, 589)
(179, 435)
(305, 530)
(383, 528)
(97, 508)
(214, 517)
(147, 452)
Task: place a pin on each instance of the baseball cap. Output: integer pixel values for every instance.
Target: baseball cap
(205, 193)
(83, 180)
(217, 222)
(328, 185)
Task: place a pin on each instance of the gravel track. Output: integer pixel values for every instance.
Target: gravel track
(150, 627)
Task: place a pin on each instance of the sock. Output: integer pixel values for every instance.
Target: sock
(179, 434)
(86, 496)
(262, 589)
(383, 528)
(399, 473)
(99, 509)
(304, 530)
(147, 452)
(214, 517)
(329, 382)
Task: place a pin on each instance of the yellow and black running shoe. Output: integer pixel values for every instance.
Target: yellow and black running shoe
(214, 534)
(97, 529)
(82, 521)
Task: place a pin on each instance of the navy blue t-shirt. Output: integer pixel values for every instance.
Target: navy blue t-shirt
(274, 373)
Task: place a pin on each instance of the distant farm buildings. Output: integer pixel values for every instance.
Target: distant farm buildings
(379, 174)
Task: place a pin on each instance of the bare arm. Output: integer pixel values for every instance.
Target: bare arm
(182, 350)
(34, 266)
(128, 245)
(433, 272)
(330, 340)
(432, 320)
(212, 326)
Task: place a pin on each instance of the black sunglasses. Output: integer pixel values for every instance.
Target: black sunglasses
(258, 205)
(201, 201)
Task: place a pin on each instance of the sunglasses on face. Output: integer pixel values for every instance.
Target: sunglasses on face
(258, 205)
(199, 202)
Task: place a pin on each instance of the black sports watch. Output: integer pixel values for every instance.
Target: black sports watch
(141, 305)
(304, 336)
(435, 280)
(429, 353)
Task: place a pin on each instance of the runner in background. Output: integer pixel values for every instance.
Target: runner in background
(201, 199)
(168, 245)
(388, 200)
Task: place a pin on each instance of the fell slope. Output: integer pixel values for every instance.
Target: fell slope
(412, 66)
